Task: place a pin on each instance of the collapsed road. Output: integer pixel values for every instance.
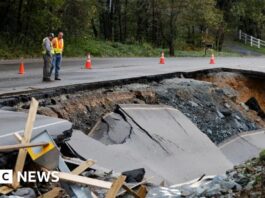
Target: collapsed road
(161, 139)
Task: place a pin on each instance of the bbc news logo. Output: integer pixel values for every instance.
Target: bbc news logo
(6, 176)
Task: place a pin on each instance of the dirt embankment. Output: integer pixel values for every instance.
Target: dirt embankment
(85, 108)
(244, 87)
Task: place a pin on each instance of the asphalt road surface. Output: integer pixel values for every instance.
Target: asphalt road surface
(73, 72)
(14, 122)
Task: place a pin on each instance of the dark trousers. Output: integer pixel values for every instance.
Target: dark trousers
(47, 65)
(56, 63)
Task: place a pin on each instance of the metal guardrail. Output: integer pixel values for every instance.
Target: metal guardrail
(248, 39)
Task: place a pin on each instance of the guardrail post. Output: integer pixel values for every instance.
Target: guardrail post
(251, 41)
(258, 43)
(240, 34)
(246, 38)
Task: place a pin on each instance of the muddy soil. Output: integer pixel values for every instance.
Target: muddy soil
(244, 87)
(216, 108)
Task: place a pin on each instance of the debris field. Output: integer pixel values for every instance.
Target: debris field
(196, 135)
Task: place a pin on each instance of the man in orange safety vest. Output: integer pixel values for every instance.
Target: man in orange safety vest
(58, 46)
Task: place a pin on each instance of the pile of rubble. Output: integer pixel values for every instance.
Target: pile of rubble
(39, 167)
(123, 135)
(208, 106)
(246, 180)
(213, 109)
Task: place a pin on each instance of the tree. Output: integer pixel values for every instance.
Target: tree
(249, 15)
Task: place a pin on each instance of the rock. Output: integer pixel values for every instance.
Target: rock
(220, 114)
(250, 185)
(209, 131)
(226, 112)
(244, 106)
(63, 97)
(227, 106)
(243, 181)
(237, 117)
(25, 192)
(193, 104)
(134, 176)
(213, 191)
(200, 191)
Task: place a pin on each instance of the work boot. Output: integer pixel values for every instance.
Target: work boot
(57, 78)
(46, 80)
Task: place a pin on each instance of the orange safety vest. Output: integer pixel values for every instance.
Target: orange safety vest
(58, 45)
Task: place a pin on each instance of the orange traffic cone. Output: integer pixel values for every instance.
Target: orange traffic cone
(88, 64)
(21, 67)
(162, 58)
(212, 60)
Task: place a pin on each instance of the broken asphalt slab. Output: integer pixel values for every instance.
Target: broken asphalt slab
(243, 147)
(158, 138)
(14, 122)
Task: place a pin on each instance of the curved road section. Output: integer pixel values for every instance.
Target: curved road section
(158, 138)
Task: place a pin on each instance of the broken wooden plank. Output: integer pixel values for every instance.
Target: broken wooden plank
(115, 187)
(4, 190)
(54, 193)
(83, 166)
(20, 146)
(130, 191)
(26, 139)
(142, 192)
(18, 136)
(136, 185)
(70, 177)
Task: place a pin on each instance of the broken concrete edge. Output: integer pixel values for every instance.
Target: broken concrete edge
(240, 135)
(11, 99)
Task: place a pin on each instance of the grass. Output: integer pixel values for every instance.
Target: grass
(109, 49)
(80, 47)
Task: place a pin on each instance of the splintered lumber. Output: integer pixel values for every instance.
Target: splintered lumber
(130, 191)
(20, 146)
(26, 139)
(54, 193)
(4, 190)
(116, 186)
(70, 177)
(142, 192)
(136, 185)
(83, 166)
(19, 138)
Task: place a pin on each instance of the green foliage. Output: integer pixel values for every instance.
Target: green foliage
(249, 15)
(262, 156)
(172, 24)
(113, 49)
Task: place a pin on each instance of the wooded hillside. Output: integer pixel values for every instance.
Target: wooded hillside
(161, 23)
